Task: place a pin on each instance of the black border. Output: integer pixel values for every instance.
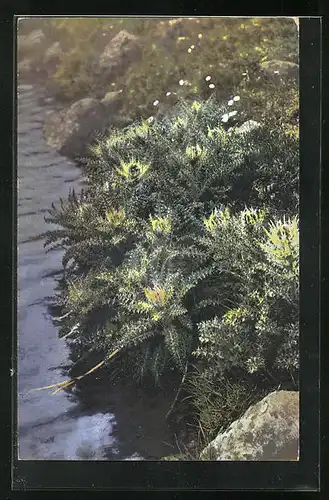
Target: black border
(207, 476)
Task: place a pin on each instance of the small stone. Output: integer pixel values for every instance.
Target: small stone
(285, 69)
(248, 126)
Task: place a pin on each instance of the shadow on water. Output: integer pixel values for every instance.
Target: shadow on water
(140, 414)
(102, 418)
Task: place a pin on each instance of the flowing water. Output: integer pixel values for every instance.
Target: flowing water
(111, 422)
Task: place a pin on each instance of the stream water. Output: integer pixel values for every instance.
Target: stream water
(106, 422)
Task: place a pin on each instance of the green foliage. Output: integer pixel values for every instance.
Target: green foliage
(227, 51)
(218, 401)
(82, 41)
(196, 160)
(183, 248)
(163, 260)
(260, 329)
(186, 50)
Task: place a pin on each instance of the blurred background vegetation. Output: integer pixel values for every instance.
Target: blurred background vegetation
(186, 57)
(191, 58)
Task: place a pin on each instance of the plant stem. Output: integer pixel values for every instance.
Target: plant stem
(178, 393)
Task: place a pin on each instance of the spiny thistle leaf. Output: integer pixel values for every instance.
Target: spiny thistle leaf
(179, 244)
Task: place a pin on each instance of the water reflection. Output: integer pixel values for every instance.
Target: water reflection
(100, 421)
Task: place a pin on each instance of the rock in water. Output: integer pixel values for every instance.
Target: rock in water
(70, 131)
(269, 430)
(118, 54)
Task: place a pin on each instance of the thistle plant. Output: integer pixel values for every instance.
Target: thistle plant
(178, 249)
(260, 329)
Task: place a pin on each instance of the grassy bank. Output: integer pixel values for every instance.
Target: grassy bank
(187, 58)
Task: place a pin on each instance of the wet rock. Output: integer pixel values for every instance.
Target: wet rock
(277, 69)
(119, 53)
(269, 430)
(69, 131)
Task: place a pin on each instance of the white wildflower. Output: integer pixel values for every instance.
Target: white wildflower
(208, 78)
(181, 82)
(230, 102)
(232, 113)
(155, 103)
(211, 86)
(236, 98)
(168, 93)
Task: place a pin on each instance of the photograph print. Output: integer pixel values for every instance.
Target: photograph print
(158, 238)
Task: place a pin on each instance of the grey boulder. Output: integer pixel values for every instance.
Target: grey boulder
(118, 54)
(71, 130)
(269, 430)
